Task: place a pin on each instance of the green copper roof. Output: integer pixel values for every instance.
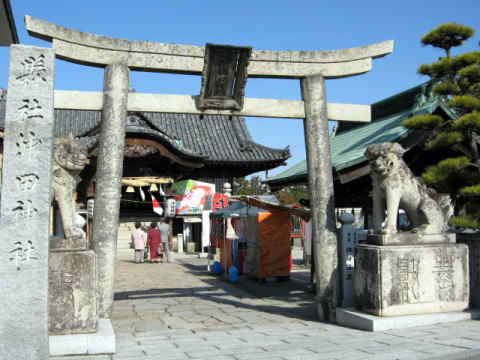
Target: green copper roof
(348, 147)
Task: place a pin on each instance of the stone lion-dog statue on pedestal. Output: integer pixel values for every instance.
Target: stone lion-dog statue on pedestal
(69, 159)
(395, 186)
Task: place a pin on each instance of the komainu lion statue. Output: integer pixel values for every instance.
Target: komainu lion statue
(69, 159)
(395, 185)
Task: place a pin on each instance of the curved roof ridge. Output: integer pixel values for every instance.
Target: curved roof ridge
(171, 139)
(241, 127)
(176, 146)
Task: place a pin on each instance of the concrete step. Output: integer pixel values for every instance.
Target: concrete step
(124, 249)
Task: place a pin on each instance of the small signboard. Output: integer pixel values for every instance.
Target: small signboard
(192, 196)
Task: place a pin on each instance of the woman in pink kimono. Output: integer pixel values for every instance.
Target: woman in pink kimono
(139, 240)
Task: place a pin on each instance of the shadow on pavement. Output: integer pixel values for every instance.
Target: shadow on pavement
(287, 298)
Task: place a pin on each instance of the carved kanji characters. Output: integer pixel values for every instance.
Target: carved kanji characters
(22, 252)
(30, 109)
(24, 211)
(26, 142)
(34, 71)
(26, 182)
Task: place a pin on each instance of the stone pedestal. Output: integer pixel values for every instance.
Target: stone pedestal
(411, 279)
(72, 292)
(190, 247)
(408, 238)
(100, 342)
(472, 240)
(62, 244)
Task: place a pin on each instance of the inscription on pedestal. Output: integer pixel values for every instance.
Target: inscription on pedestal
(406, 281)
(444, 270)
(402, 280)
(25, 204)
(72, 292)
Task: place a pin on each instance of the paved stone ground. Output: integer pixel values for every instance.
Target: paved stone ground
(179, 311)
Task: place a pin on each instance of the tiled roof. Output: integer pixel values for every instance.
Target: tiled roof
(348, 147)
(222, 138)
(213, 139)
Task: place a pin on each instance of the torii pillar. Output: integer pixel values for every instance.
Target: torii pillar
(310, 67)
(320, 184)
(108, 190)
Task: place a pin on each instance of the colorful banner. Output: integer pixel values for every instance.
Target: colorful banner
(156, 205)
(193, 196)
(220, 201)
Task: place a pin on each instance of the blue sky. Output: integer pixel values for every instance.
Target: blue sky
(264, 25)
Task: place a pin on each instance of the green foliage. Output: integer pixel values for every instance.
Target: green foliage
(292, 194)
(466, 221)
(470, 73)
(456, 78)
(445, 169)
(447, 36)
(252, 186)
(441, 68)
(467, 122)
(423, 122)
(444, 139)
(465, 104)
(470, 191)
(447, 88)
(465, 60)
(456, 73)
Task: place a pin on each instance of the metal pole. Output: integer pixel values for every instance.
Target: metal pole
(109, 182)
(225, 245)
(320, 183)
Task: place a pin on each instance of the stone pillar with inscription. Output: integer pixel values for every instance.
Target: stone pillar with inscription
(25, 207)
(348, 237)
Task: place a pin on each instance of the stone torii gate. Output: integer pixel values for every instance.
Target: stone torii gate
(119, 56)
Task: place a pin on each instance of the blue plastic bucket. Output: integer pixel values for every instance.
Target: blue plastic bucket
(233, 274)
(217, 267)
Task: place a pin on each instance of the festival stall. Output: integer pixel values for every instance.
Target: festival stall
(265, 229)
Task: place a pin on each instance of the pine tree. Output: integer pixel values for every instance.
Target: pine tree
(252, 186)
(292, 194)
(457, 80)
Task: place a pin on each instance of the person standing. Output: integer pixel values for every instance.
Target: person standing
(165, 231)
(139, 240)
(154, 242)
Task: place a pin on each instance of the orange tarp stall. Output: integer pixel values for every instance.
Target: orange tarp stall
(274, 244)
(226, 256)
(304, 214)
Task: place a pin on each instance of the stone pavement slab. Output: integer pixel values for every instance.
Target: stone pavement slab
(179, 311)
